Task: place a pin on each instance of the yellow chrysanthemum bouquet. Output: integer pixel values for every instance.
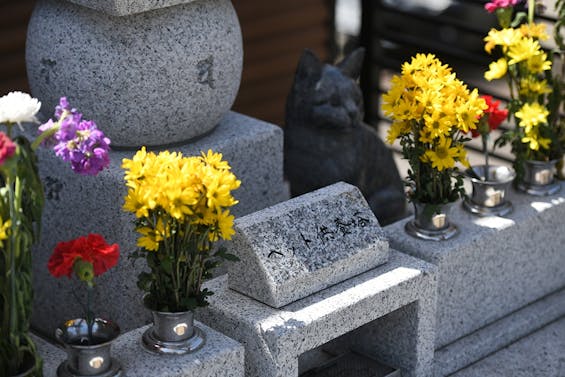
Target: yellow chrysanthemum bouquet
(536, 94)
(432, 111)
(181, 205)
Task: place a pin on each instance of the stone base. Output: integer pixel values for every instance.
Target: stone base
(495, 265)
(219, 357)
(387, 313)
(78, 205)
(497, 335)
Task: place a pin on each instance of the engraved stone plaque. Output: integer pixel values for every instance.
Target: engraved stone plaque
(301, 246)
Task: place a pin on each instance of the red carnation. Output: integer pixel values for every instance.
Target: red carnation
(493, 114)
(92, 248)
(7, 147)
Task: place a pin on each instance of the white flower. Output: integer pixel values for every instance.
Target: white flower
(18, 107)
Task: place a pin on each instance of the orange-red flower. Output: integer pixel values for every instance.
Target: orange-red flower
(493, 115)
(92, 248)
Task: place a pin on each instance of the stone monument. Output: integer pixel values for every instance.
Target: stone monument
(331, 283)
(305, 244)
(157, 73)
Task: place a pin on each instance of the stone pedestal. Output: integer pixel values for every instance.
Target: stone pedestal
(77, 205)
(494, 267)
(219, 357)
(387, 312)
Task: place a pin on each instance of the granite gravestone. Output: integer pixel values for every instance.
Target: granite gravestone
(303, 245)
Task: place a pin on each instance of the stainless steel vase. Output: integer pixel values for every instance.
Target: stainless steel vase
(88, 354)
(490, 186)
(173, 333)
(431, 222)
(539, 178)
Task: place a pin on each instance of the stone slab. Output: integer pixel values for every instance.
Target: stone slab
(219, 357)
(295, 248)
(153, 78)
(495, 265)
(499, 334)
(77, 205)
(539, 354)
(392, 307)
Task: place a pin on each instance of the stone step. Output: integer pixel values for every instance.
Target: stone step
(541, 354)
(500, 334)
(219, 357)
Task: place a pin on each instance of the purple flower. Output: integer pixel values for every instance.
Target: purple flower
(63, 107)
(76, 140)
(87, 151)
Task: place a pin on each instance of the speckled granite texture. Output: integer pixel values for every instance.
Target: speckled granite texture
(392, 306)
(153, 78)
(499, 334)
(219, 357)
(541, 354)
(305, 244)
(77, 205)
(495, 265)
(127, 7)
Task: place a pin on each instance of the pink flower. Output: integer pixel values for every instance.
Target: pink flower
(495, 4)
(7, 147)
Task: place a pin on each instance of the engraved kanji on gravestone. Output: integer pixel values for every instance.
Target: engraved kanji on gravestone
(306, 244)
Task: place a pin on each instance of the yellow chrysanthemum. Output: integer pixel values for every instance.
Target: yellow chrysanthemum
(225, 225)
(152, 236)
(442, 156)
(534, 30)
(505, 38)
(469, 111)
(538, 63)
(496, 70)
(532, 115)
(535, 141)
(396, 129)
(4, 226)
(215, 160)
(524, 49)
(531, 85)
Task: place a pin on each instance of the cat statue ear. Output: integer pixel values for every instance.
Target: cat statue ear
(309, 67)
(351, 65)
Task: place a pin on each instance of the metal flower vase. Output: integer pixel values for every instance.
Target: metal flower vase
(539, 178)
(88, 351)
(431, 222)
(173, 333)
(490, 185)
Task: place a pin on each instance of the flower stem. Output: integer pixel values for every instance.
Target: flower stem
(485, 151)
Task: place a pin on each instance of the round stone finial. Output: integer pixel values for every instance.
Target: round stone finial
(158, 77)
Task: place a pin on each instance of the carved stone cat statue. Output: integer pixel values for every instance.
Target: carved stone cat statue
(326, 140)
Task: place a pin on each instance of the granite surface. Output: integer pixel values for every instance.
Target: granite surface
(495, 265)
(274, 339)
(499, 334)
(300, 246)
(127, 7)
(219, 357)
(539, 354)
(77, 205)
(152, 78)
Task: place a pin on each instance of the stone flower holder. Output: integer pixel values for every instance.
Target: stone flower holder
(488, 197)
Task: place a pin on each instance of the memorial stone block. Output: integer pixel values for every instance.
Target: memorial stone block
(301, 246)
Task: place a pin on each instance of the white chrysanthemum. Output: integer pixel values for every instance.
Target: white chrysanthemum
(18, 107)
